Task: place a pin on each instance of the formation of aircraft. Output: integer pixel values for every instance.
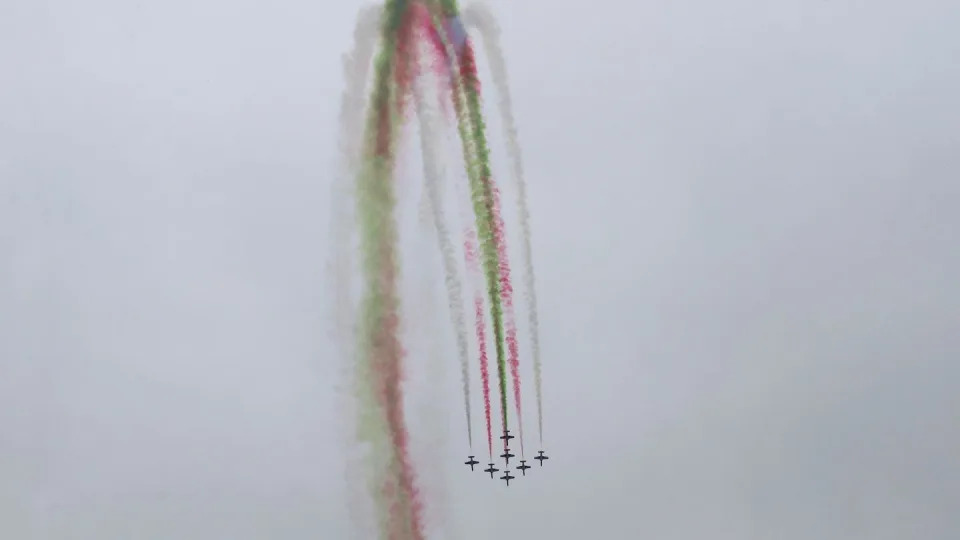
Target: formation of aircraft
(506, 455)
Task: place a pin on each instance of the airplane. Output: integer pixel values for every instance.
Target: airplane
(507, 436)
(491, 470)
(541, 457)
(506, 477)
(523, 466)
(471, 463)
(506, 455)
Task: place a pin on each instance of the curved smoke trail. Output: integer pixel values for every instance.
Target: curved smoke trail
(431, 421)
(356, 66)
(470, 255)
(483, 205)
(506, 289)
(432, 175)
(478, 16)
(432, 446)
(465, 86)
(381, 353)
(378, 352)
(475, 280)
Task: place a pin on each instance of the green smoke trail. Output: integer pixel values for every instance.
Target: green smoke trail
(399, 509)
(471, 128)
(382, 426)
(432, 177)
(356, 67)
(479, 16)
(483, 205)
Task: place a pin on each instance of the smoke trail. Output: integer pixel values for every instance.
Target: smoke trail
(489, 231)
(379, 355)
(434, 419)
(452, 41)
(430, 421)
(479, 16)
(356, 67)
(464, 91)
(507, 294)
(380, 319)
(471, 260)
(432, 175)
(483, 203)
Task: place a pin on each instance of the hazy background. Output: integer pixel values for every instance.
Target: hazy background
(746, 220)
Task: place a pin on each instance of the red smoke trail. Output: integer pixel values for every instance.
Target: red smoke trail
(468, 73)
(484, 370)
(388, 366)
(506, 294)
(406, 513)
(438, 55)
(442, 66)
(390, 371)
(471, 257)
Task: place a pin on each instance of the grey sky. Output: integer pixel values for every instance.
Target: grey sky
(745, 219)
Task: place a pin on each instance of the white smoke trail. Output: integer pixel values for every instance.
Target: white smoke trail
(430, 142)
(432, 422)
(353, 104)
(356, 66)
(479, 16)
(475, 279)
(435, 420)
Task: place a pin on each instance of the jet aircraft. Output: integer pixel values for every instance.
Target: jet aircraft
(491, 470)
(541, 457)
(507, 436)
(506, 455)
(523, 466)
(507, 478)
(471, 462)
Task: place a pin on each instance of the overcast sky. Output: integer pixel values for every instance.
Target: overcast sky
(746, 217)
